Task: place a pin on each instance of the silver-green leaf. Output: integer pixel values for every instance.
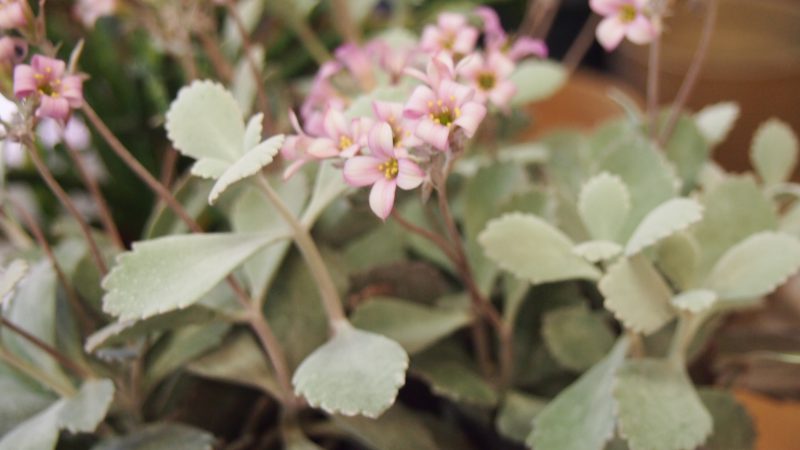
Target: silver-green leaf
(577, 337)
(603, 204)
(536, 80)
(665, 220)
(248, 165)
(774, 151)
(716, 121)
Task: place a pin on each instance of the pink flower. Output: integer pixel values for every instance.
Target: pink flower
(452, 34)
(295, 148)
(74, 133)
(402, 127)
(623, 18)
(88, 11)
(13, 14)
(341, 139)
(497, 39)
(322, 96)
(386, 169)
(358, 62)
(45, 80)
(489, 77)
(440, 109)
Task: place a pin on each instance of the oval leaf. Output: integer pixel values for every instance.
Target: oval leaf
(355, 372)
(603, 204)
(665, 220)
(248, 165)
(174, 272)
(716, 121)
(596, 251)
(531, 248)
(11, 276)
(774, 151)
(576, 337)
(695, 301)
(755, 267)
(205, 122)
(536, 80)
(452, 378)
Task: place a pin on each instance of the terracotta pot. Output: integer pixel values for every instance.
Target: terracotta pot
(777, 422)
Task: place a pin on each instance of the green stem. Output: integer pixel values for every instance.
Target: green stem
(310, 252)
(688, 325)
(310, 41)
(63, 390)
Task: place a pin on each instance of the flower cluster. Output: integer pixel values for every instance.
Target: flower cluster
(624, 18)
(45, 80)
(415, 114)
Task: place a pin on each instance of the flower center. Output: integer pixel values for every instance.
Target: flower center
(627, 13)
(344, 142)
(50, 88)
(389, 168)
(442, 114)
(486, 81)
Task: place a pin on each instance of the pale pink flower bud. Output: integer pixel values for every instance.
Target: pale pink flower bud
(13, 14)
(89, 11)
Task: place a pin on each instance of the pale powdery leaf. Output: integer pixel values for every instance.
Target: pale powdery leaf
(603, 205)
(536, 80)
(81, 413)
(397, 429)
(755, 267)
(452, 378)
(355, 372)
(12, 275)
(716, 121)
(678, 257)
(248, 165)
(733, 427)
(161, 436)
(205, 122)
(576, 337)
(582, 416)
(659, 407)
(209, 168)
(515, 416)
(665, 220)
(174, 272)
(637, 295)
(596, 251)
(244, 86)
(252, 132)
(694, 301)
(413, 326)
(774, 151)
(531, 248)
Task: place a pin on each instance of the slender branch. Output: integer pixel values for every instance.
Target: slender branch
(653, 72)
(310, 41)
(693, 73)
(343, 21)
(688, 325)
(316, 265)
(63, 390)
(64, 198)
(222, 68)
(434, 238)
(168, 163)
(581, 44)
(97, 196)
(47, 348)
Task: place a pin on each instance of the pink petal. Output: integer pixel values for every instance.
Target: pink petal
(72, 90)
(500, 64)
(335, 123)
(293, 168)
(76, 134)
(24, 80)
(641, 30)
(50, 67)
(491, 23)
(610, 33)
(381, 197)
(417, 104)
(295, 123)
(12, 15)
(502, 93)
(472, 114)
(465, 40)
(380, 141)
(525, 46)
(470, 66)
(362, 171)
(433, 133)
(455, 92)
(451, 21)
(605, 7)
(388, 111)
(323, 148)
(431, 39)
(55, 108)
(409, 175)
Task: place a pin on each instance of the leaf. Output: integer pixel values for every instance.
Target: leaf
(576, 337)
(21, 398)
(774, 151)
(688, 151)
(733, 427)
(678, 257)
(536, 80)
(209, 168)
(755, 267)
(515, 416)
(716, 121)
(81, 413)
(726, 222)
(637, 295)
(205, 122)
(603, 205)
(328, 186)
(413, 326)
(161, 436)
(658, 404)
(248, 165)
(532, 249)
(452, 378)
(667, 219)
(11, 276)
(355, 372)
(487, 188)
(240, 361)
(397, 429)
(695, 301)
(597, 251)
(174, 272)
(582, 416)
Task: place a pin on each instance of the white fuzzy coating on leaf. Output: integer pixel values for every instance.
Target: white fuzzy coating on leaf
(11, 276)
(248, 165)
(205, 121)
(596, 251)
(354, 373)
(209, 168)
(716, 121)
(665, 220)
(604, 204)
(252, 132)
(695, 301)
(774, 151)
(755, 267)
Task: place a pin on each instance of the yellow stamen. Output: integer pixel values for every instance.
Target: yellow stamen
(389, 168)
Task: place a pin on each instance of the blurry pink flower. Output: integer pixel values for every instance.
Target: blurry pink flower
(358, 61)
(393, 59)
(12, 50)
(13, 14)
(386, 169)
(45, 79)
(451, 34)
(88, 11)
(440, 109)
(489, 77)
(342, 139)
(74, 134)
(321, 97)
(623, 18)
(402, 127)
(497, 39)
(295, 148)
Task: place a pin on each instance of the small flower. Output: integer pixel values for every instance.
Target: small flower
(13, 14)
(440, 109)
(88, 11)
(357, 61)
(295, 148)
(342, 139)
(402, 127)
(386, 169)
(322, 96)
(497, 39)
(451, 34)
(623, 18)
(489, 77)
(45, 80)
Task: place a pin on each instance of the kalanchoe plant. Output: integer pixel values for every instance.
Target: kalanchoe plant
(384, 264)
